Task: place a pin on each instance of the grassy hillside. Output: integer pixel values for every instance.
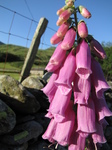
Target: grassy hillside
(15, 56)
(12, 57)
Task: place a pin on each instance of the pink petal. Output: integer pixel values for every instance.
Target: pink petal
(101, 107)
(83, 60)
(67, 73)
(82, 29)
(77, 142)
(64, 129)
(69, 39)
(56, 59)
(51, 88)
(82, 88)
(86, 117)
(98, 79)
(59, 105)
(98, 136)
(55, 39)
(97, 49)
(63, 29)
(51, 129)
(84, 12)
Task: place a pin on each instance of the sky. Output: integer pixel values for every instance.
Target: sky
(99, 25)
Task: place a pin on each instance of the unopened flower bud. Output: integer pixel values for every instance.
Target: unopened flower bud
(70, 3)
(66, 14)
(69, 39)
(55, 39)
(59, 12)
(63, 29)
(82, 29)
(84, 12)
(97, 49)
(66, 1)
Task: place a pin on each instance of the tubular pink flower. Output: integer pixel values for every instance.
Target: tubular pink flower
(86, 117)
(83, 60)
(56, 59)
(51, 88)
(61, 131)
(84, 12)
(98, 79)
(59, 105)
(97, 49)
(55, 39)
(64, 129)
(49, 133)
(82, 88)
(101, 107)
(82, 29)
(69, 39)
(98, 136)
(67, 73)
(63, 29)
(77, 142)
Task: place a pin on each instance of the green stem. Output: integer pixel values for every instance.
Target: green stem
(76, 23)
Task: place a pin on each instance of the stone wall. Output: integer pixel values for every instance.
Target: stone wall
(22, 115)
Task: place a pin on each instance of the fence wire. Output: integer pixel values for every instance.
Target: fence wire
(27, 38)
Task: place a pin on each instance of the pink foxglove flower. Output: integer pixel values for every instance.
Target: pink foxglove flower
(98, 79)
(64, 129)
(82, 88)
(82, 29)
(84, 12)
(61, 131)
(63, 29)
(86, 117)
(77, 142)
(51, 88)
(97, 49)
(67, 73)
(55, 39)
(51, 129)
(98, 136)
(69, 39)
(101, 107)
(83, 60)
(59, 105)
(56, 59)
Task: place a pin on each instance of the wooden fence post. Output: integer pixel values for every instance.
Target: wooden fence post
(29, 60)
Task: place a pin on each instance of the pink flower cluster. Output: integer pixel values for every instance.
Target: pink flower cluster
(76, 88)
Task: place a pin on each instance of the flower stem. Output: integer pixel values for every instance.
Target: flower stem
(76, 23)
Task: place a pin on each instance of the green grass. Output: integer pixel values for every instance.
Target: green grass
(16, 56)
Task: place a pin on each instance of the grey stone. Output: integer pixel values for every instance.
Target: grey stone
(41, 98)
(16, 96)
(44, 121)
(17, 147)
(7, 118)
(32, 82)
(23, 133)
(40, 145)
